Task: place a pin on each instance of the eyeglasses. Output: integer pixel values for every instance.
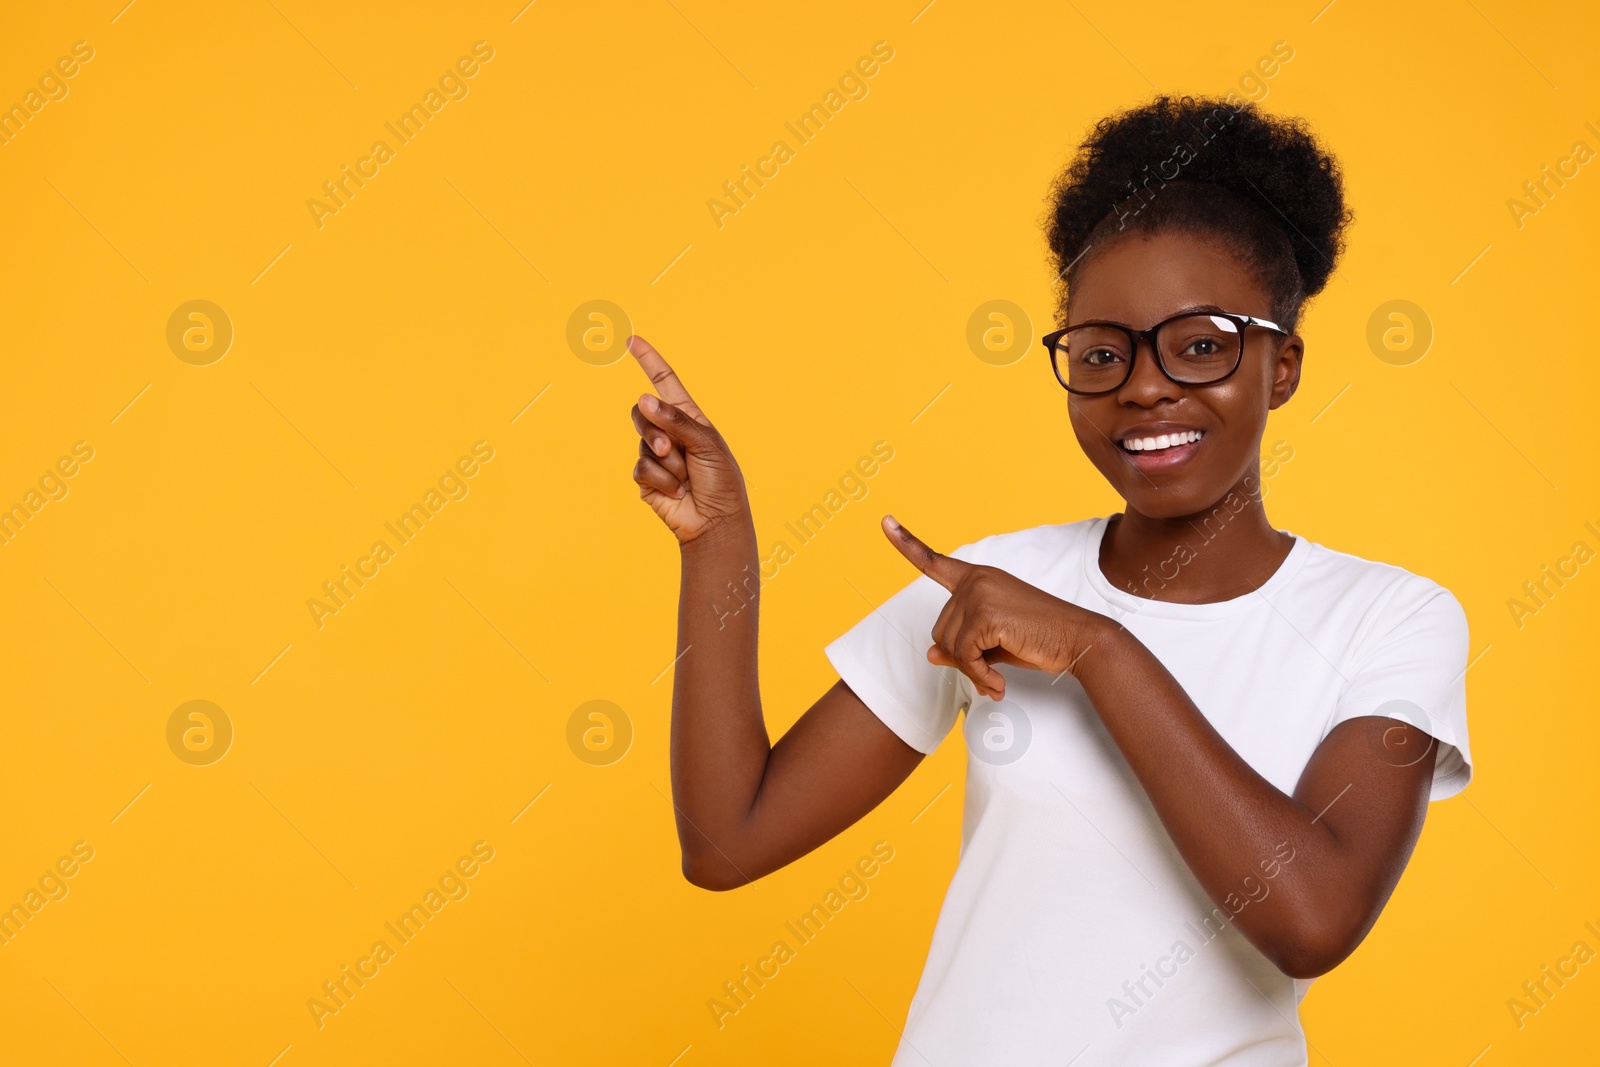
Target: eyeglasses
(1195, 348)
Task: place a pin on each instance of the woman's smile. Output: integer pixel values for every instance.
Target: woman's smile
(1159, 446)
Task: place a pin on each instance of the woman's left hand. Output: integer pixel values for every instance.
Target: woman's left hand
(995, 617)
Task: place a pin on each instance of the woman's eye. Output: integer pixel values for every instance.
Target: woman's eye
(1100, 357)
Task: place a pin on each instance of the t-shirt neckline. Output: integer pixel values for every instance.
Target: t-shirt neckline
(1166, 609)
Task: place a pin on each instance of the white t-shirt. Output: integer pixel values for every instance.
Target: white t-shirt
(1072, 926)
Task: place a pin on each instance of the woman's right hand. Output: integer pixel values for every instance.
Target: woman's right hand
(685, 471)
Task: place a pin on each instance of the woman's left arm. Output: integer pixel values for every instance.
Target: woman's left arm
(1304, 876)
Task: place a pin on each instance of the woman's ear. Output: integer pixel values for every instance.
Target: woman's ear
(1286, 370)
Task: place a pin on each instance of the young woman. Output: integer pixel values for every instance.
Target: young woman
(1201, 748)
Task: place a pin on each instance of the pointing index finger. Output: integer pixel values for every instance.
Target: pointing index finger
(662, 375)
(941, 568)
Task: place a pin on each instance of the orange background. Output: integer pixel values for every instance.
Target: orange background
(432, 311)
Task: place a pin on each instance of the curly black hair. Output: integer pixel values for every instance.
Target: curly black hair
(1261, 183)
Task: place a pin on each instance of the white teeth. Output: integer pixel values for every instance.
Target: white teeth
(1151, 444)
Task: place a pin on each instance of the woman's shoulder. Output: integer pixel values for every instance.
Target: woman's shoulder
(1389, 587)
(1044, 542)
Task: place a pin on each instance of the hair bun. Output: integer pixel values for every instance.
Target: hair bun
(1273, 163)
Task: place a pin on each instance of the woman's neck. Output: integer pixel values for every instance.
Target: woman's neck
(1222, 552)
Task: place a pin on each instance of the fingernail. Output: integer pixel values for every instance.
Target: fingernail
(650, 404)
(892, 523)
(661, 445)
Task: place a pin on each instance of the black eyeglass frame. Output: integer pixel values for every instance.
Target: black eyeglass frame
(1149, 338)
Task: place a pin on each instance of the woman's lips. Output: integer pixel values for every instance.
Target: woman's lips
(1163, 458)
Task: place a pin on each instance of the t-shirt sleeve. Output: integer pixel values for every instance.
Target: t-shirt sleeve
(1413, 668)
(884, 660)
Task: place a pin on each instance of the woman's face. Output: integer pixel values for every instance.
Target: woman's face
(1138, 280)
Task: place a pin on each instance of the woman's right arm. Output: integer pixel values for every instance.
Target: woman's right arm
(745, 807)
